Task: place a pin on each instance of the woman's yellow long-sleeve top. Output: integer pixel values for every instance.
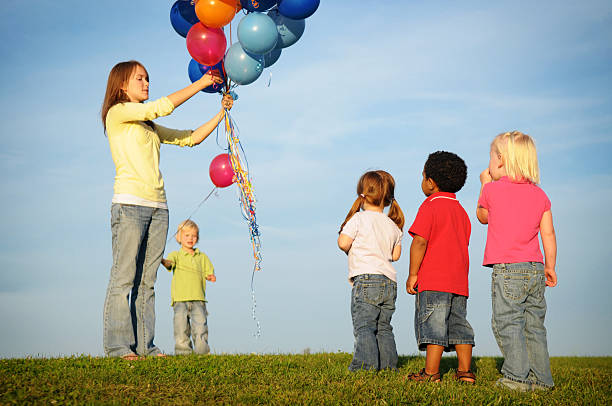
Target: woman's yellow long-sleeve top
(135, 146)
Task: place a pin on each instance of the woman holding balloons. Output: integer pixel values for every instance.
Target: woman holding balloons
(139, 213)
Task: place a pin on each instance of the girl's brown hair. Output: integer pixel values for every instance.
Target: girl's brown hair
(376, 188)
(118, 78)
(395, 212)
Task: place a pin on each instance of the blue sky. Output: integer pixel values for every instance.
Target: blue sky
(366, 87)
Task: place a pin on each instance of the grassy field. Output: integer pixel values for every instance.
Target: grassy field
(282, 379)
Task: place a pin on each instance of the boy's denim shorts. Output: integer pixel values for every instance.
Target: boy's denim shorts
(440, 319)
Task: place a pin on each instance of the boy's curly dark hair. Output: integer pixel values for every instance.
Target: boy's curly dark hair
(448, 170)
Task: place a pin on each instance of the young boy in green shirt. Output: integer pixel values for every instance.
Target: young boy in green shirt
(191, 269)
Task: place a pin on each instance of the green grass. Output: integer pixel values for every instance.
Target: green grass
(282, 379)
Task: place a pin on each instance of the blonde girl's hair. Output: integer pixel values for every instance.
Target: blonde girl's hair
(376, 188)
(117, 79)
(187, 224)
(518, 154)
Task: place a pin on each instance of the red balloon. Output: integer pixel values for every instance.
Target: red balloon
(206, 45)
(221, 172)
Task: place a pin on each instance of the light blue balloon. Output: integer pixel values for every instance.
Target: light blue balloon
(242, 67)
(271, 57)
(289, 31)
(257, 33)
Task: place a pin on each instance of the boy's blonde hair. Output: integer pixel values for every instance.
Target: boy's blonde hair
(518, 154)
(187, 224)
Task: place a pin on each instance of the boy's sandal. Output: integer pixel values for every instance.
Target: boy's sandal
(422, 376)
(130, 357)
(466, 377)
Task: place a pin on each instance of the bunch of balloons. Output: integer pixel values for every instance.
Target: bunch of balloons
(267, 27)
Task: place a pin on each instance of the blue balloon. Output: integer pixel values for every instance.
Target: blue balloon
(257, 5)
(298, 9)
(257, 33)
(197, 70)
(242, 67)
(271, 57)
(289, 30)
(182, 17)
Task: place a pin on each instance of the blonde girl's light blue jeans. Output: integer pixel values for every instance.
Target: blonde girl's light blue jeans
(138, 239)
(519, 309)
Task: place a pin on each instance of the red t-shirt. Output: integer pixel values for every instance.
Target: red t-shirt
(445, 225)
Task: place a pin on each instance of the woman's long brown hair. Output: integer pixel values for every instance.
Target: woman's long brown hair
(118, 78)
(376, 188)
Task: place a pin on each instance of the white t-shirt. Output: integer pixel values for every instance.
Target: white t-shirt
(374, 236)
(125, 198)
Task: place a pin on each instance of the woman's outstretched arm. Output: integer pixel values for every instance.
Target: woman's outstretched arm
(180, 96)
(200, 133)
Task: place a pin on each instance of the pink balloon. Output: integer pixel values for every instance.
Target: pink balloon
(221, 172)
(206, 45)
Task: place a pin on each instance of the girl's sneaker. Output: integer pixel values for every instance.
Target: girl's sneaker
(514, 385)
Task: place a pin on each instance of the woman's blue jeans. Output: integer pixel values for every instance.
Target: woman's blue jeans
(372, 306)
(519, 308)
(138, 238)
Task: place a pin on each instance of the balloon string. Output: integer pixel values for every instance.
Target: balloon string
(245, 187)
(196, 209)
(247, 201)
(254, 305)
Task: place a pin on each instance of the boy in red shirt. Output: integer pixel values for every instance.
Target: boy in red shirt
(439, 266)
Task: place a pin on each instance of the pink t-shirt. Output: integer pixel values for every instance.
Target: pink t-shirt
(515, 212)
(445, 225)
(374, 236)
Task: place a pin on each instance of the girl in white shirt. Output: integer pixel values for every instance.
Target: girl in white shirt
(372, 241)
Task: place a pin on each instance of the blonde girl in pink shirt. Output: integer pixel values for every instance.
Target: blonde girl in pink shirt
(516, 211)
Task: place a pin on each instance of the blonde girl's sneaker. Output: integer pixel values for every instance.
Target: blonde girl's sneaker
(514, 385)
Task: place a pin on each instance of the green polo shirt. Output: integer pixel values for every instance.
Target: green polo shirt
(189, 275)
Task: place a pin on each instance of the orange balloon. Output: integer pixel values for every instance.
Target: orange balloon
(216, 13)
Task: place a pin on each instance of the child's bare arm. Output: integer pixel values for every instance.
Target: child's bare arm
(417, 252)
(345, 242)
(483, 215)
(549, 243)
(167, 264)
(397, 253)
(481, 212)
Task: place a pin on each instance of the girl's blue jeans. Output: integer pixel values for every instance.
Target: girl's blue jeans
(519, 308)
(372, 306)
(190, 323)
(138, 239)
